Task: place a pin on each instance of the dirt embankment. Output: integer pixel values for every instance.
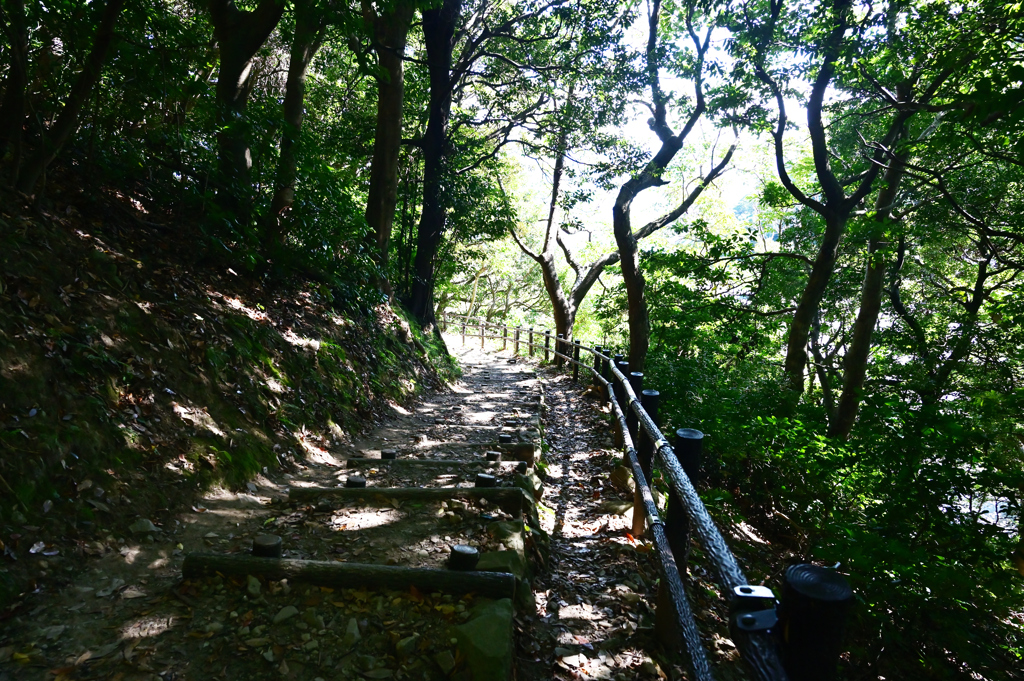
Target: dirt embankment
(133, 377)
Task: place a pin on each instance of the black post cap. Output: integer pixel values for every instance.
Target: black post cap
(493, 456)
(689, 434)
(504, 439)
(486, 480)
(463, 557)
(267, 546)
(355, 481)
(388, 454)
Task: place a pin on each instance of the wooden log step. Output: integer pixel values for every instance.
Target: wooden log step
(352, 575)
(512, 500)
(394, 464)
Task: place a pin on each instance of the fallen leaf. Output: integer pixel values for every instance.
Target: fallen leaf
(133, 592)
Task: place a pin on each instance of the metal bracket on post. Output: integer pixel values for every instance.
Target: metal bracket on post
(752, 609)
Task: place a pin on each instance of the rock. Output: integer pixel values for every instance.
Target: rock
(352, 635)
(215, 627)
(486, 641)
(502, 561)
(529, 482)
(312, 645)
(445, 661)
(286, 612)
(506, 530)
(253, 586)
(616, 506)
(143, 526)
(310, 617)
(622, 479)
(407, 646)
(53, 632)
(526, 602)
(626, 594)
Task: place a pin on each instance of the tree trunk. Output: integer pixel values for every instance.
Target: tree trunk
(309, 35)
(12, 110)
(856, 360)
(390, 31)
(53, 139)
(438, 33)
(633, 280)
(810, 300)
(239, 35)
(562, 309)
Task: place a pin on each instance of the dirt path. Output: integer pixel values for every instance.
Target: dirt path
(125, 613)
(595, 618)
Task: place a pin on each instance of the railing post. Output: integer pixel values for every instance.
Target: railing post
(515, 343)
(531, 342)
(620, 393)
(688, 446)
(606, 372)
(812, 617)
(547, 345)
(636, 382)
(482, 335)
(576, 361)
(677, 531)
(597, 363)
(649, 400)
(463, 332)
(559, 348)
(504, 338)
(623, 367)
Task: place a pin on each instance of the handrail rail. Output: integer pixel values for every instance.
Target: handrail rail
(756, 641)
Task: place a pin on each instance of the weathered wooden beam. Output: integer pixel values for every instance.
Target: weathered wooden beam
(352, 575)
(512, 500)
(427, 463)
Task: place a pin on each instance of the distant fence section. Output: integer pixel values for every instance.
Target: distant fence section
(798, 638)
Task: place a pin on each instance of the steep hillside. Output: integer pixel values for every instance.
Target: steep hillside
(132, 376)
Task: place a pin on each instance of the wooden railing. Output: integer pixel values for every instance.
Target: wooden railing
(798, 638)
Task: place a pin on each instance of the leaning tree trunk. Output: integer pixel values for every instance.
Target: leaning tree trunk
(12, 110)
(856, 361)
(810, 300)
(239, 35)
(309, 35)
(53, 139)
(390, 32)
(438, 33)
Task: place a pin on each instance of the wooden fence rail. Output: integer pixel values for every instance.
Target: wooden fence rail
(799, 638)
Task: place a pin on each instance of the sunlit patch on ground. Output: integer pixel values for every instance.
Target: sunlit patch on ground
(237, 305)
(147, 626)
(300, 341)
(197, 417)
